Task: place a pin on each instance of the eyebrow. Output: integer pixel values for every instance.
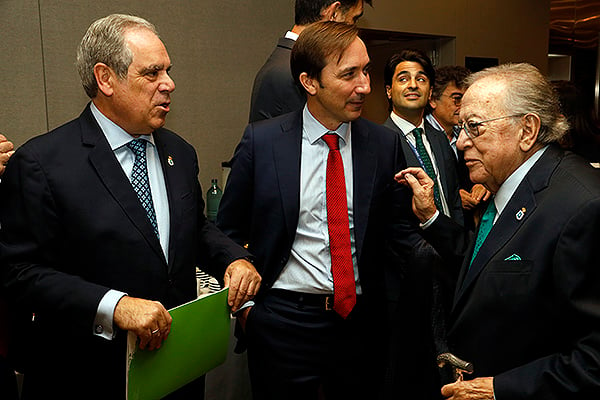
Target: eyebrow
(408, 73)
(354, 68)
(155, 68)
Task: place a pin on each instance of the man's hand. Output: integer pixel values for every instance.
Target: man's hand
(243, 282)
(476, 389)
(149, 320)
(478, 194)
(6, 150)
(422, 186)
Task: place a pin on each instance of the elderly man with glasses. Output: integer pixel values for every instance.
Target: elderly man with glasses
(526, 310)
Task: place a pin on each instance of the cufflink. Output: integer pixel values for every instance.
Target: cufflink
(99, 329)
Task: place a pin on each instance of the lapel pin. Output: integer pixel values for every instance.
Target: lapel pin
(521, 213)
(170, 161)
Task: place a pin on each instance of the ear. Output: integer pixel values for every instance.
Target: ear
(388, 91)
(432, 102)
(104, 78)
(529, 131)
(309, 84)
(331, 12)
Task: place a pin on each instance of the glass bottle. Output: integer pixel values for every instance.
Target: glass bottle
(213, 198)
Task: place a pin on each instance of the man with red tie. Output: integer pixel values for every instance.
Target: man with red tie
(313, 196)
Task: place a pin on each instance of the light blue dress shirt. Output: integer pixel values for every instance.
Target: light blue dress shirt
(117, 139)
(308, 269)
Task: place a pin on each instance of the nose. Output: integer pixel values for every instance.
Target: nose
(413, 83)
(364, 85)
(463, 140)
(167, 85)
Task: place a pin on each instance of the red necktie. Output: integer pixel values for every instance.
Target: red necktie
(344, 286)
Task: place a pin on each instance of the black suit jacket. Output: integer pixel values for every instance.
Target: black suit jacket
(527, 310)
(73, 228)
(427, 283)
(260, 205)
(275, 92)
(446, 164)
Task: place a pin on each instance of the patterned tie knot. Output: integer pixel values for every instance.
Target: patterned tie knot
(332, 140)
(417, 132)
(138, 146)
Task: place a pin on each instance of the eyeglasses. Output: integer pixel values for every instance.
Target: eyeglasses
(472, 128)
(456, 98)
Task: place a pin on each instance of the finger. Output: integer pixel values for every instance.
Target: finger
(241, 295)
(6, 147)
(448, 390)
(487, 195)
(253, 288)
(412, 182)
(144, 339)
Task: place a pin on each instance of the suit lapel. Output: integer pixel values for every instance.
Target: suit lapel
(509, 223)
(174, 189)
(409, 155)
(364, 163)
(436, 147)
(114, 179)
(287, 147)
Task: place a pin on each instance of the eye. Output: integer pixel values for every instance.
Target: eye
(473, 127)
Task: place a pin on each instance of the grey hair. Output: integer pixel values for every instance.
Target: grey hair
(104, 42)
(528, 91)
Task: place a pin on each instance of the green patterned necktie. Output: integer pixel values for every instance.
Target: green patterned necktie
(418, 132)
(485, 226)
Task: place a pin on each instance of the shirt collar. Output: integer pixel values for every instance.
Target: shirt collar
(116, 136)
(508, 188)
(291, 35)
(314, 129)
(405, 126)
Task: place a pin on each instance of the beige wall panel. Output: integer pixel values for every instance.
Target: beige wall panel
(511, 30)
(23, 110)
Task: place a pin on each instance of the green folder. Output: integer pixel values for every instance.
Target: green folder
(198, 342)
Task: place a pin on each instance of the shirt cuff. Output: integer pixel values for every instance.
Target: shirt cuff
(103, 323)
(430, 221)
(249, 303)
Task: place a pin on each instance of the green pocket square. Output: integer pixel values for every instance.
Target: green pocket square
(514, 257)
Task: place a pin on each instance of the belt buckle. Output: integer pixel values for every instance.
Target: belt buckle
(329, 303)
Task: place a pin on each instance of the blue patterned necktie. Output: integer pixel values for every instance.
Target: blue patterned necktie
(417, 132)
(485, 226)
(140, 182)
